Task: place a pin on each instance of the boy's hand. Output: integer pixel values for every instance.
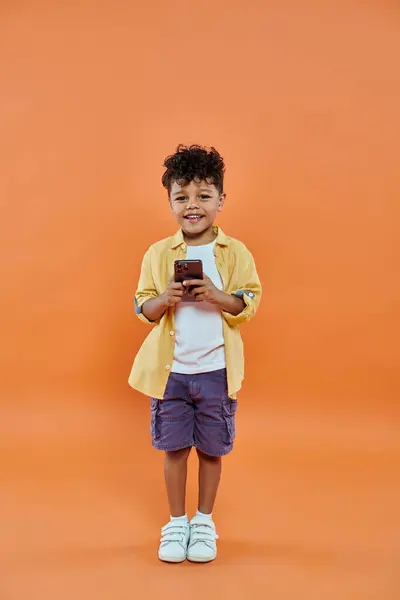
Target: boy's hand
(173, 294)
(204, 290)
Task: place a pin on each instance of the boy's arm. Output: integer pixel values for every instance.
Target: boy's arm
(149, 306)
(153, 309)
(248, 292)
(231, 304)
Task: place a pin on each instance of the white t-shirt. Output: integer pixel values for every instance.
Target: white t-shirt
(199, 336)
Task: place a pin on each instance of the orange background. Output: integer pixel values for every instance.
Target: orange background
(302, 100)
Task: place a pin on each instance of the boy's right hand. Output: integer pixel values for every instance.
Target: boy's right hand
(174, 292)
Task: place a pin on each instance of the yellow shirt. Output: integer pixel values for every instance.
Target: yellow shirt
(236, 267)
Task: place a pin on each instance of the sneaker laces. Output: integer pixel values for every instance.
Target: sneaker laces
(174, 532)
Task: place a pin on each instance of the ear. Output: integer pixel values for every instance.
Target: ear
(221, 202)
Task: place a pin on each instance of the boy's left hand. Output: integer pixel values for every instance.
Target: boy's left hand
(204, 290)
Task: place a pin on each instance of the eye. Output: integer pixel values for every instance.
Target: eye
(180, 199)
(205, 197)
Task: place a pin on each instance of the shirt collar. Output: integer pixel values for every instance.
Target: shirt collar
(221, 238)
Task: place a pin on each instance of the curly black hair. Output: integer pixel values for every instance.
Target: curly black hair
(194, 163)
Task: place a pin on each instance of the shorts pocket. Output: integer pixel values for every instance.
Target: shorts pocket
(154, 406)
(229, 408)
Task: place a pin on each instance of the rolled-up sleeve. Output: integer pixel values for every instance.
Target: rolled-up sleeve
(249, 289)
(146, 289)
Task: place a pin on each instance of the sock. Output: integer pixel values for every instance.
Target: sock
(200, 514)
(182, 518)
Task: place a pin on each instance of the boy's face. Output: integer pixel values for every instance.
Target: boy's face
(195, 206)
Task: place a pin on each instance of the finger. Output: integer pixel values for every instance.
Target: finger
(193, 282)
(176, 285)
(201, 297)
(175, 294)
(198, 290)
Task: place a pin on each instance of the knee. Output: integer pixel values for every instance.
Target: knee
(178, 455)
(207, 458)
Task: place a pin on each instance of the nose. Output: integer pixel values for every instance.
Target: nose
(191, 203)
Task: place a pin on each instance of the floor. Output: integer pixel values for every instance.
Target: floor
(308, 507)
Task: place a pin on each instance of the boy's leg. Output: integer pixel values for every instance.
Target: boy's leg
(209, 478)
(172, 423)
(175, 534)
(175, 471)
(203, 536)
(213, 438)
(214, 433)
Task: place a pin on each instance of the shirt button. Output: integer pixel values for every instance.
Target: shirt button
(168, 367)
(183, 247)
(251, 295)
(171, 333)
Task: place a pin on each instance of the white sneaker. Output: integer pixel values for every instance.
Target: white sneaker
(203, 540)
(174, 541)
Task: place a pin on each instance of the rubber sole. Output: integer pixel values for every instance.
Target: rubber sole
(201, 559)
(172, 560)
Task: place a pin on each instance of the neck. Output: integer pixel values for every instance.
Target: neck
(203, 238)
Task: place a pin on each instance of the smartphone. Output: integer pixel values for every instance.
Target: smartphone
(185, 270)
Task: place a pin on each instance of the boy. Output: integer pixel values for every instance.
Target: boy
(191, 364)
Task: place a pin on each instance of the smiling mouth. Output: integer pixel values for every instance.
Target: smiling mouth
(193, 218)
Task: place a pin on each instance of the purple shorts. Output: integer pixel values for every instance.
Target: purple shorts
(195, 411)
